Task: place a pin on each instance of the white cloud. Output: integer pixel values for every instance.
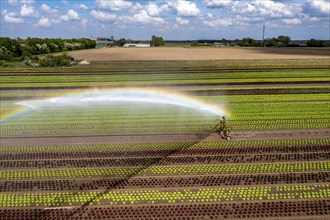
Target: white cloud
(292, 21)
(320, 6)
(13, 2)
(184, 8)
(153, 10)
(81, 6)
(27, 10)
(84, 22)
(114, 5)
(219, 22)
(245, 19)
(209, 15)
(44, 22)
(103, 16)
(313, 19)
(143, 18)
(11, 17)
(27, 1)
(267, 8)
(45, 8)
(70, 16)
(182, 21)
(136, 8)
(218, 3)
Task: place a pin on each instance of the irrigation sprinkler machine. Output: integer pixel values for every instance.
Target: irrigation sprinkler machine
(222, 129)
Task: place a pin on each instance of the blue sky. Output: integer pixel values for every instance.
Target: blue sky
(171, 19)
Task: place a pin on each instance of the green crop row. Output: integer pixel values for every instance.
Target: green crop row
(94, 122)
(169, 76)
(98, 147)
(90, 125)
(165, 170)
(153, 129)
(237, 169)
(252, 87)
(69, 131)
(244, 119)
(231, 98)
(67, 173)
(269, 98)
(160, 82)
(266, 143)
(262, 111)
(165, 146)
(120, 114)
(260, 193)
(44, 120)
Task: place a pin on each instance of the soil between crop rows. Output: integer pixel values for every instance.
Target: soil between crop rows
(247, 135)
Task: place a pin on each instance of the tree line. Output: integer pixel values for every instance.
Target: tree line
(155, 42)
(280, 41)
(13, 49)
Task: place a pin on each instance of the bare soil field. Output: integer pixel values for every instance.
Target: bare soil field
(181, 53)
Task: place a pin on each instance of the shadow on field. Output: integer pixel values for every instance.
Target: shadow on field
(295, 51)
(122, 182)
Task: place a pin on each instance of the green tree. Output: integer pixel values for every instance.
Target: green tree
(284, 39)
(10, 48)
(26, 51)
(314, 43)
(194, 44)
(248, 42)
(122, 42)
(159, 41)
(270, 42)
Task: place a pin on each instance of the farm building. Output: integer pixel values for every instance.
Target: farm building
(297, 43)
(219, 44)
(136, 45)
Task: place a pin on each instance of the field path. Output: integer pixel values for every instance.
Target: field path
(239, 135)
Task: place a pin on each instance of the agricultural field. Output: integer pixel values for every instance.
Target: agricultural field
(134, 140)
(199, 53)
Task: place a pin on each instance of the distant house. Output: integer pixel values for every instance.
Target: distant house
(136, 45)
(219, 44)
(111, 43)
(105, 43)
(234, 44)
(279, 44)
(297, 43)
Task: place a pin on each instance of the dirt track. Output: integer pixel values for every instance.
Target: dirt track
(181, 53)
(166, 138)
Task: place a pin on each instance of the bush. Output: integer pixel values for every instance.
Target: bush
(9, 47)
(5, 54)
(61, 60)
(3, 63)
(194, 44)
(31, 61)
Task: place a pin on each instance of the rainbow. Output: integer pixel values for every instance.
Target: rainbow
(16, 113)
(110, 96)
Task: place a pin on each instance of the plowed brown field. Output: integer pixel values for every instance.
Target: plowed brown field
(181, 53)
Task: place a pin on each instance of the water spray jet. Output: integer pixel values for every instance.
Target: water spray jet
(111, 97)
